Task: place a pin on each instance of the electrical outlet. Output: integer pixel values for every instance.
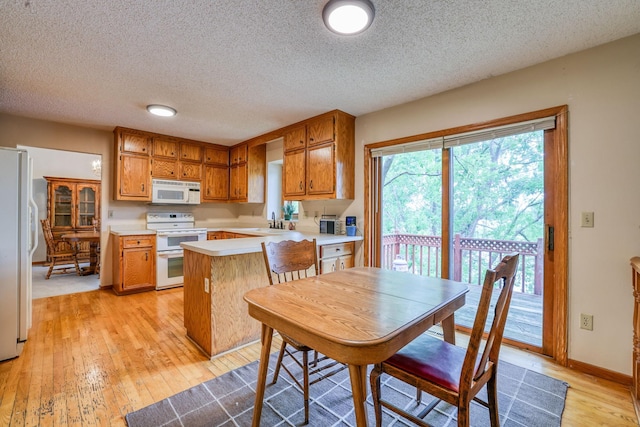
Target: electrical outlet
(586, 321)
(110, 214)
(587, 219)
(206, 284)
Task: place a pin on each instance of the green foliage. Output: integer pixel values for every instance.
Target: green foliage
(498, 190)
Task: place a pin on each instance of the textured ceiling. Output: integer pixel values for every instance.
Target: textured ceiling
(236, 69)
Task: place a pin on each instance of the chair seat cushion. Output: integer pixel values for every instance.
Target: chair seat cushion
(431, 359)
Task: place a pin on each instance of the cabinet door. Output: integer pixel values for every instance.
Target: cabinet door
(216, 156)
(216, 183)
(293, 174)
(239, 154)
(165, 169)
(191, 151)
(296, 139)
(321, 131)
(138, 266)
(87, 205)
(134, 143)
(238, 181)
(321, 170)
(62, 206)
(191, 171)
(165, 147)
(134, 177)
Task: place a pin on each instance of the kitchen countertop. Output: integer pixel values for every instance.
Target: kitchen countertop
(246, 245)
(130, 231)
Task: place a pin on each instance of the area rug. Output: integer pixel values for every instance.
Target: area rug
(525, 398)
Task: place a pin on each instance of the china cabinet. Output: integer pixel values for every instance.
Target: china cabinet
(72, 205)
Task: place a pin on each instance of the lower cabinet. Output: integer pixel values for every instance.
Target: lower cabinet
(217, 235)
(335, 257)
(134, 263)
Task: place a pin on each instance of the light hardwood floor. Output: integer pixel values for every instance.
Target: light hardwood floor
(93, 357)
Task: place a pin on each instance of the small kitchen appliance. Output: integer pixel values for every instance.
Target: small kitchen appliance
(330, 224)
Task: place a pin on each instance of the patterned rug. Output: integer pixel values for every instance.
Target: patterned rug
(525, 398)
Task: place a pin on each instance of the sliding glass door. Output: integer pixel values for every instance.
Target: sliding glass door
(452, 205)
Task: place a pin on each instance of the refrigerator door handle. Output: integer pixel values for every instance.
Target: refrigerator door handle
(34, 225)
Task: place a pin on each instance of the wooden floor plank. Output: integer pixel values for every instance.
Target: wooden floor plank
(91, 358)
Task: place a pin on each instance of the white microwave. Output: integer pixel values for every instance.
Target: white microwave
(175, 192)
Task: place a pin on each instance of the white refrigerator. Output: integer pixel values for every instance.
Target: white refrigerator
(18, 226)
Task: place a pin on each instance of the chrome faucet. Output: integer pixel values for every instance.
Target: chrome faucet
(273, 217)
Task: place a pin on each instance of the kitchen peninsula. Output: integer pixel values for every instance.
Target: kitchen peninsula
(217, 273)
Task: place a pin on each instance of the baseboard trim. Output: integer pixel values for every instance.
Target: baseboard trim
(600, 372)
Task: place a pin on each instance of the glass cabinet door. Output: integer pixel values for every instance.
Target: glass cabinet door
(86, 206)
(62, 206)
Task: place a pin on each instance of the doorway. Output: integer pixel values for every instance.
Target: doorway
(65, 164)
(471, 195)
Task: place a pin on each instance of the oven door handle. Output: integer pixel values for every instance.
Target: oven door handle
(167, 254)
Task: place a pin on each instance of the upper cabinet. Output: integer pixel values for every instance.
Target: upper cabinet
(247, 173)
(215, 185)
(141, 156)
(132, 165)
(319, 158)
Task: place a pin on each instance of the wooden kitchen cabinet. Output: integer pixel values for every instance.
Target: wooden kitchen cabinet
(215, 186)
(72, 206)
(319, 158)
(134, 263)
(247, 173)
(132, 165)
(335, 257)
(239, 154)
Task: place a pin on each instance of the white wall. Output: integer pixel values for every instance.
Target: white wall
(601, 86)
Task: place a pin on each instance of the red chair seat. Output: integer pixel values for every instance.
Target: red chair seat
(432, 359)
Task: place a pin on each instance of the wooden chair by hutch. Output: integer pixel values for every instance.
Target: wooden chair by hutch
(61, 254)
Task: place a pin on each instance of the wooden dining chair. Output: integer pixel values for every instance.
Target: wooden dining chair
(61, 253)
(448, 372)
(286, 261)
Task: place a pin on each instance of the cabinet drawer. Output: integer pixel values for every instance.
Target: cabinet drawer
(137, 241)
(335, 264)
(337, 249)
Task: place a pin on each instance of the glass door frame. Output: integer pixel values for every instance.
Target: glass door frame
(555, 329)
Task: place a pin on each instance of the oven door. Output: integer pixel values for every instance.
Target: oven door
(169, 269)
(170, 240)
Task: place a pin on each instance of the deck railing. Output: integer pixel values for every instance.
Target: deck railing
(471, 258)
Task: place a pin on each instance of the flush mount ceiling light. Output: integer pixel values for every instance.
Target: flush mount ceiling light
(161, 110)
(348, 16)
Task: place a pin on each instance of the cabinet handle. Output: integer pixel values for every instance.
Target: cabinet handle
(301, 142)
(144, 149)
(142, 187)
(146, 256)
(171, 172)
(138, 242)
(311, 139)
(301, 185)
(311, 184)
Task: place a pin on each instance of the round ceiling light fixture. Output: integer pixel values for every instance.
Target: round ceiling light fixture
(161, 110)
(348, 17)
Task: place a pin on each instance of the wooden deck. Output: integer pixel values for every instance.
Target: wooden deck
(524, 322)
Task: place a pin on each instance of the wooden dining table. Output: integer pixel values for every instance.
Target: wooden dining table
(359, 316)
(93, 237)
